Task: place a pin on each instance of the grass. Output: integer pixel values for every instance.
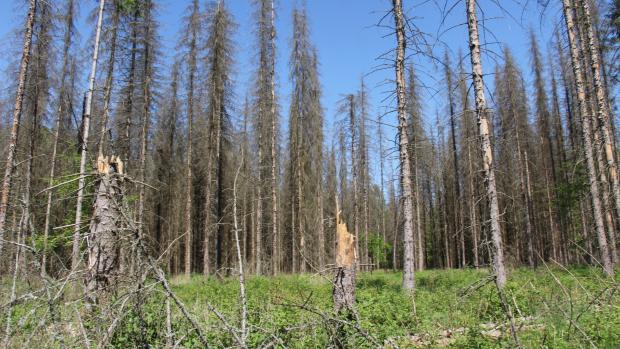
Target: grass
(576, 308)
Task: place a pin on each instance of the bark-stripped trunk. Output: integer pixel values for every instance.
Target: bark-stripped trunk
(343, 292)
(17, 112)
(586, 135)
(75, 256)
(403, 145)
(485, 144)
(103, 256)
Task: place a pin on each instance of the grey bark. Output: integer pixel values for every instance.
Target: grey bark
(485, 145)
(403, 145)
(586, 135)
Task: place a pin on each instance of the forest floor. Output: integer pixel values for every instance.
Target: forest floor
(552, 308)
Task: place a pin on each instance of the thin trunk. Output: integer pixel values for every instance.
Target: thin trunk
(146, 115)
(485, 143)
(354, 172)
(405, 167)
(17, 111)
(75, 256)
(188, 164)
(275, 258)
(108, 81)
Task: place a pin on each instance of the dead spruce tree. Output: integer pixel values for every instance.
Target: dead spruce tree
(586, 136)
(403, 146)
(219, 90)
(75, 255)
(266, 133)
(190, 42)
(304, 167)
(485, 144)
(603, 114)
(17, 112)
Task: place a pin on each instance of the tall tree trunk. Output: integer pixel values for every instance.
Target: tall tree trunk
(17, 111)
(603, 112)
(354, 171)
(275, 258)
(403, 145)
(586, 134)
(75, 256)
(485, 144)
(188, 164)
(146, 116)
(458, 221)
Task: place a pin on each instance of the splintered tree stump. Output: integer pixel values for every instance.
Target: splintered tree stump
(102, 240)
(344, 280)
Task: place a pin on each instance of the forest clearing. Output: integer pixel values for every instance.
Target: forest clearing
(309, 174)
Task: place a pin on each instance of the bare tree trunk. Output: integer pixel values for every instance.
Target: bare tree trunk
(603, 113)
(17, 111)
(354, 171)
(472, 208)
(300, 216)
(586, 134)
(346, 256)
(275, 258)
(146, 116)
(242, 296)
(190, 126)
(403, 145)
(485, 143)
(75, 256)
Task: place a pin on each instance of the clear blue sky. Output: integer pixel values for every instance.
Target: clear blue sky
(348, 42)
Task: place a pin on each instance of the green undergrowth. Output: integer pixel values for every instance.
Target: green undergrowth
(575, 308)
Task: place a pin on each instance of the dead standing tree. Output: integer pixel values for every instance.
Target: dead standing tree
(75, 256)
(17, 111)
(403, 145)
(586, 135)
(485, 143)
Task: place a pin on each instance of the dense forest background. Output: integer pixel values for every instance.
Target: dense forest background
(183, 129)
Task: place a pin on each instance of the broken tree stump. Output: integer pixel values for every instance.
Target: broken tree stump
(346, 256)
(102, 239)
